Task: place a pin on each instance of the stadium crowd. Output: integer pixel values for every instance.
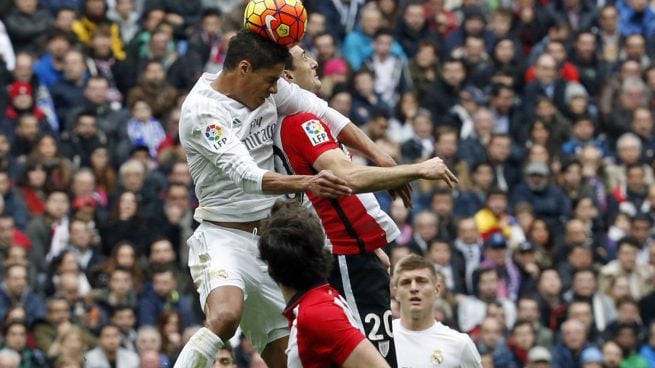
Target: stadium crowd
(543, 109)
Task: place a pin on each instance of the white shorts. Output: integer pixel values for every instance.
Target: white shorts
(221, 256)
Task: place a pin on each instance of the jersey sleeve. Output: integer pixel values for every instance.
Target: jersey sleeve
(291, 99)
(470, 355)
(205, 132)
(331, 331)
(306, 136)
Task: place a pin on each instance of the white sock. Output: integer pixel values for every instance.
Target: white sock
(200, 351)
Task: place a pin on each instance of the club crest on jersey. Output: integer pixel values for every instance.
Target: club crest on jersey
(437, 357)
(315, 132)
(214, 135)
(383, 347)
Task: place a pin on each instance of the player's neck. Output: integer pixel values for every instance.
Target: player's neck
(287, 293)
(417, 323)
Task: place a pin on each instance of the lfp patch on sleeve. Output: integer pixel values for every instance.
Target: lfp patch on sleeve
(315, 132)
(215, 136)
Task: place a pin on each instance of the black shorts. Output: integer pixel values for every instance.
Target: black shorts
(363, 281)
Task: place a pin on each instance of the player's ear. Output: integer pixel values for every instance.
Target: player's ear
(244, 67)
(287, 75)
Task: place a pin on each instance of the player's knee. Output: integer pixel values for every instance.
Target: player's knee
(224, 323)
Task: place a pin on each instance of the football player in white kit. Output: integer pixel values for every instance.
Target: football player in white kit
(420, 340)
(226, 128)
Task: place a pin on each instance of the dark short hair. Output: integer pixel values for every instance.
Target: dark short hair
(211, 12)
(257, 50)
(106, 326)
(292, 244)
(383, 32)
(629, 241)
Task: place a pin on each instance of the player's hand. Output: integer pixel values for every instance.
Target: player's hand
(327, 185)
(436, 169)
(384, 258)
(405, 191)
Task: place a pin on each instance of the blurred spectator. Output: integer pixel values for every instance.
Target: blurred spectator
(205, 40)
(124, 317)
(109, 353)
(567, 353)
(639, 276)
(154, 90)
(125, 222)
(149, 339)
(495, 254)
(69, 344)
(528, 310)
(103, 62)
(412, 28)
(143, 129)
(635, 17)
(491, 342)
(15, 291)
(170, 329)
(391, 74)
(426, 227)
(627, 339)
(631, 95)
(525, 259)
(110, 119)
(473, 24)
(180, 15)
(612, 354)
(70, 88)
(126, 16)
(93, 19)
(494, 218)
(15, 339)
(522, 338)
(584, 289)
(539, 357)
(366, 102)
(608, 36)
(164, 295)
(443, 93)
(591, 358)
(27, 25)
(85, 137)
(546, 83)
(547, 199)
(421, 145)
(357, 45)
(552, 308)
(49, 233)
(119, 292)
(472, 310)
(12, 203)
(647, 350)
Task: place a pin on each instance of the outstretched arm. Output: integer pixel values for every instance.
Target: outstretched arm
(323, 184)
(355, 138)
(371, 179)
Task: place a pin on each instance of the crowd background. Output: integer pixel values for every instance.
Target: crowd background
(542, 108)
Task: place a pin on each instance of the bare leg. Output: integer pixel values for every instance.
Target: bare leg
(223, 311)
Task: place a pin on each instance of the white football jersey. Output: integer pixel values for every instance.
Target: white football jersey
(438, 346)
(229, 147)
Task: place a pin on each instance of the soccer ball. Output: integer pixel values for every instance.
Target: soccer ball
(282, 21)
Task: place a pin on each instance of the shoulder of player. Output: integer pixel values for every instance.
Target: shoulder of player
(299, 118)
(196, 108)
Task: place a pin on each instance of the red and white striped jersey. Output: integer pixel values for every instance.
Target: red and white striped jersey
(323, 330)
(353, 224)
